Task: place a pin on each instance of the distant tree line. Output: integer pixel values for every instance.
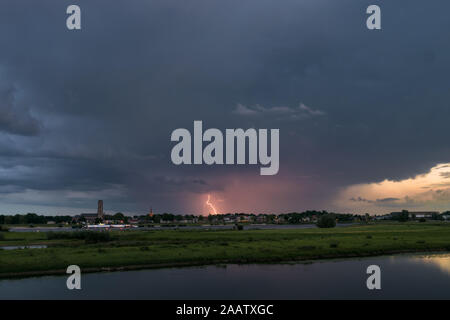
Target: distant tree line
(290, 218)
(33, 218)
(296, 217)
(157, 218)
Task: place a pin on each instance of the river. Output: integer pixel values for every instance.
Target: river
(402, 277)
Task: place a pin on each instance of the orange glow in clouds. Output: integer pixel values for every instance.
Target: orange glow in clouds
(427, 191)
(209, 204)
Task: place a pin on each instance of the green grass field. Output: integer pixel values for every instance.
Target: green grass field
(162, 248)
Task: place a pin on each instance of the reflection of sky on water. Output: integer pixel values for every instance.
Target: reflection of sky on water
(431, 262)
(402, 277)
(440, 261)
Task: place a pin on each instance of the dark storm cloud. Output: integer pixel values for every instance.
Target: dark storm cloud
(377, 201)
(302, 112)
(13, 119)
(95, 108)
(360, 199)
(388, 200)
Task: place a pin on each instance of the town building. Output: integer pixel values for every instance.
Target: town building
(417, 214)
(91, 218)
(423, 214)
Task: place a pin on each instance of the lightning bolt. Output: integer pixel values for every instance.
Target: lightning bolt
(208, 203)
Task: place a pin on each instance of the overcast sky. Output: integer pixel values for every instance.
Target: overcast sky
(87, 115)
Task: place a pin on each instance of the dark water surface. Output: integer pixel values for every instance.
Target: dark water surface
(402, 277)
(38, 246)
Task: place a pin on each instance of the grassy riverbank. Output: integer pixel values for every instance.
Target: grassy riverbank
(162, 248)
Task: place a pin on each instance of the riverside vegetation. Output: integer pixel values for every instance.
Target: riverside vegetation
(122, 250)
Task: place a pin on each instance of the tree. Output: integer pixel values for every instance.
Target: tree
(168, 217)
(119, 216)
(327, 221)
(403, 216)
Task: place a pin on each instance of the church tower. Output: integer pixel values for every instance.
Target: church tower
(100, 213)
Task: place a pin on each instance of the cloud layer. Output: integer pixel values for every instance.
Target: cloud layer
(88, 114)
(424, 191)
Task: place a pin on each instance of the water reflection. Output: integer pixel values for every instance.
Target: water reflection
(402, 277)
(37, 246)
(442, 262)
